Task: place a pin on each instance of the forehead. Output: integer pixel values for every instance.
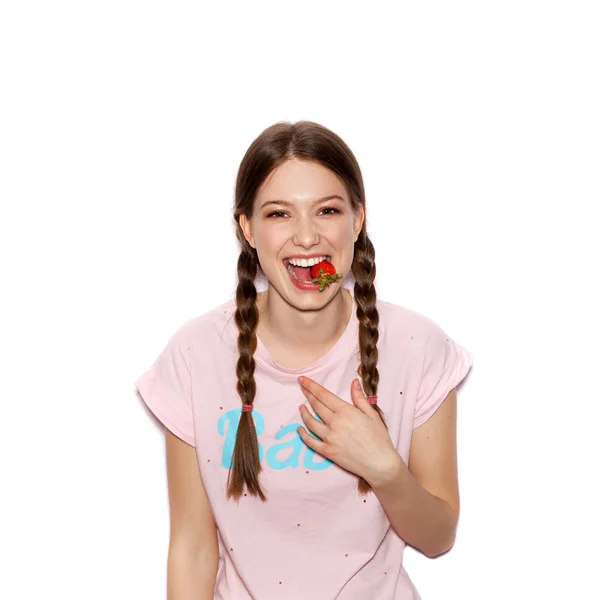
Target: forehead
(299, 181)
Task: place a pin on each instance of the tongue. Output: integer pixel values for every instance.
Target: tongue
(302, 273)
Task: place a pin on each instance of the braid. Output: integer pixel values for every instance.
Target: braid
(363, 269)
(246, 465)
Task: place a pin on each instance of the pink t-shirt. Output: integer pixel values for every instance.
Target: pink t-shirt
(315, 536)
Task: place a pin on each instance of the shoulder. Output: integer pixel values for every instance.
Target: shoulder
(398, 319)
(207, 327)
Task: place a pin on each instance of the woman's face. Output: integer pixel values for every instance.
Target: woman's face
(301, 224)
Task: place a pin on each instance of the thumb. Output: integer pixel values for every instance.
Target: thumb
(359, 398)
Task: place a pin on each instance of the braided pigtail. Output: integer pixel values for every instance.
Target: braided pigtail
(363, 269)
(246, 466)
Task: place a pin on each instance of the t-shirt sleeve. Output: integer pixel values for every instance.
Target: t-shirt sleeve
(445, 365)
(166, 387)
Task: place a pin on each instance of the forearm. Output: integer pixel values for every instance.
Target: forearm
(421, 519)
(191, 575)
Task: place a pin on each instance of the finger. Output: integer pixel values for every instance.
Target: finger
(360, 398)
(313, 424)
(312, 442)
(325, 413)
(329, 399)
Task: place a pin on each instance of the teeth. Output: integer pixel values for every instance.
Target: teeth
(304, 262)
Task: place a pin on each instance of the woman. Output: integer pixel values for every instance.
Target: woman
(289, 489)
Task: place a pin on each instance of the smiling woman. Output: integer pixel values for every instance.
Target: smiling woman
(323, 488)
(309, 225)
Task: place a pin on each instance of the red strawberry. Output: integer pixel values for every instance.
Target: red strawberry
(324, 274)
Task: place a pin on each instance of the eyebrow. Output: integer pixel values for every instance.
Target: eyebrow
(288, 203)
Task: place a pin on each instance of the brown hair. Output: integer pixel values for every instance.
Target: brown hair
(309, 141)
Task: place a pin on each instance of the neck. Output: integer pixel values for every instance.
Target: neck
(307, 331)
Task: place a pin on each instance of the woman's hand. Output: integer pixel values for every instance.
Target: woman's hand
(352, 435)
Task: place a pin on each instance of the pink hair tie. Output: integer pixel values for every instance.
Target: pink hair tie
(247, 407)
(372, 399)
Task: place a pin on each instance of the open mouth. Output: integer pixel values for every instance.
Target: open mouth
(301, 274)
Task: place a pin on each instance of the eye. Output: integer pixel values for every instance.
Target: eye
(279, 212)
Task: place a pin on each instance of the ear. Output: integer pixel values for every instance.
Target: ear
(359, 219)
(247, 229)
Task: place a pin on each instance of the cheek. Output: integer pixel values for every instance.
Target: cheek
(269, 242)
(340, 233)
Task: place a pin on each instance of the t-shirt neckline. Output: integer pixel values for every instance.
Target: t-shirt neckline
(343, 347)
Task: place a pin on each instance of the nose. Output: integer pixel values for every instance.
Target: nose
(306, 233)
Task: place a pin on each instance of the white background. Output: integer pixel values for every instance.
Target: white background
(122, 125)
